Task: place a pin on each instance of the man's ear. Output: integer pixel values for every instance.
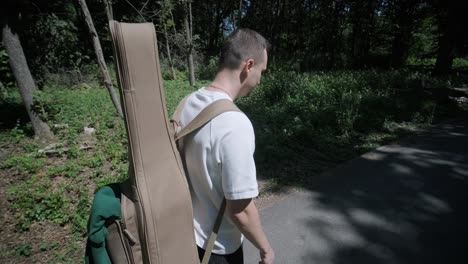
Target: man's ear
(249, 64)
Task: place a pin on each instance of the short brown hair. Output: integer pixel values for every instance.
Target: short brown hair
(241, 45)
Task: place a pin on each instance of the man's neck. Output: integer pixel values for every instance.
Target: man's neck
(227, 82)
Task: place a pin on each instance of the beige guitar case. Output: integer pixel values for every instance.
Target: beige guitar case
(156, 205)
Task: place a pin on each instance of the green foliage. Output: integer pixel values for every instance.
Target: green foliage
(424, 38)
(95, 161)
(6, 76)
(460, 63)
(37, 199)
(325, 116)
(413, 61)
(79, 219)
(84, 76)
(17, 133)
(57, 170)
(207, 70)
(54, 44)
(25, 163)
(3, 60)
(79, 108)
(175, 92)
(23, 250)
(62, 37)
(167, 73)
(40, 103)
(72, 169)
(44, 246)
(56, 192)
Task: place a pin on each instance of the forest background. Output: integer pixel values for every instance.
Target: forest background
(344, 78)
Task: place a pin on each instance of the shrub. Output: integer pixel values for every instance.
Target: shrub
(460, 63)
(207, 70)
(325, 113)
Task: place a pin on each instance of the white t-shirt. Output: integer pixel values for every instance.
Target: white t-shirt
(219, 160)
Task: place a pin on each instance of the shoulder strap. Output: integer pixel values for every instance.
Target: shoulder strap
(214, 233)
(211, 111)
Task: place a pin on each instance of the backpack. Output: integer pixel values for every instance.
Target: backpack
(148, 217)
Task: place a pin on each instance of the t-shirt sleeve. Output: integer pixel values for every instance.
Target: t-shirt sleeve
(236, 150)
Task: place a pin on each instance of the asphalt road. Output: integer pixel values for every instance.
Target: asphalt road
(403, 203)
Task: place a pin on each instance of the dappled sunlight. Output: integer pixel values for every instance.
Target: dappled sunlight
(401, 203)
(365, 217)
(457, 134)
(432, 204)
(401, 169)
(376, 156)
(460, 173)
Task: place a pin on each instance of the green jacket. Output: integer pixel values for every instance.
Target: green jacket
(106, 205)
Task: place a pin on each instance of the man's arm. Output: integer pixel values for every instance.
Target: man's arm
(245, 215)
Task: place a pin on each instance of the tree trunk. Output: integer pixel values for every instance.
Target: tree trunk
(240, 14)
(362, 21)
(445, 54)
(215, 33)
(173, 24)
(109, 12)
(192, 66)
(400, 47)
(453, 30)
(403, 26)
(25, 82)
(100, 57)
(188, 30)
(168, 51)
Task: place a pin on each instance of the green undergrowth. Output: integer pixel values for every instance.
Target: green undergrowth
(304, 124)
(54, 184)
(307, 123)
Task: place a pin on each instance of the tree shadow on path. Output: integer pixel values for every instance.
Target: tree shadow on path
(402, 203)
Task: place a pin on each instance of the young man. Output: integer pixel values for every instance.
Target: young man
(219, 156)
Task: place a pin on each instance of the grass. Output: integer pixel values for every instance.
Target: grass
(55, 189)
(304, 124)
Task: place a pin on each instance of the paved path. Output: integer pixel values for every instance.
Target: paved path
(405, 203)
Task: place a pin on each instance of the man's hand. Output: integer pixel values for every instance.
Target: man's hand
(244, 214)
(267, 257)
